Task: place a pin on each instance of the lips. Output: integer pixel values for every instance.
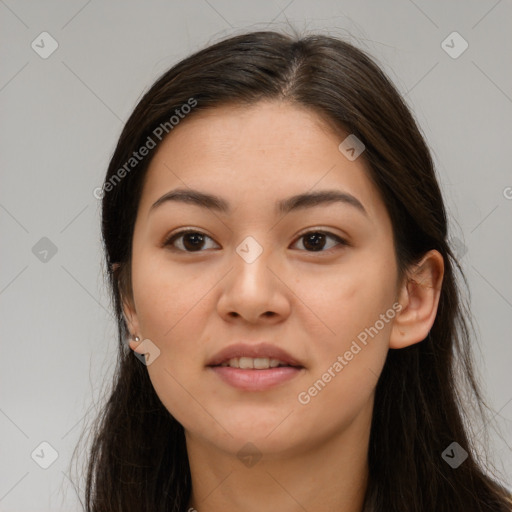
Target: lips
(260, 350)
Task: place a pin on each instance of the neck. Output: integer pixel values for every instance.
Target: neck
(330, 475)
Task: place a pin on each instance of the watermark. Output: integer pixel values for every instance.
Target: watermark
(454, 45)
(454, 455)
(351, 147)
(146, 352)
(137, 156)
(249, 249)
(44, 250)
(459, 248)
(44, 455)
(304, 397)
(249, 455)
(44, 45)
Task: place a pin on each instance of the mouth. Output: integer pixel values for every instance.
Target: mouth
(251, 367)
(262, 356)
(256, 363)
(256, 379)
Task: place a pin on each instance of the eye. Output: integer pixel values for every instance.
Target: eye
(189, 240)
(316, 240)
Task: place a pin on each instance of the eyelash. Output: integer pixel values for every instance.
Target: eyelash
(172, 238)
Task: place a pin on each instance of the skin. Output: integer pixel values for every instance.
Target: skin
(311, 303)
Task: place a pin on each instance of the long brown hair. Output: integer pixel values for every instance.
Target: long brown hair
(138, 459)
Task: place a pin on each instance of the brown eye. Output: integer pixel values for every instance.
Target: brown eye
(195, 241)
(315, 241)
(188, 241)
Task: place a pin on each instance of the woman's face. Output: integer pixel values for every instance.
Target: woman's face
(253, 273)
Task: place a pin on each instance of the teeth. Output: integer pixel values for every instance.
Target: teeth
(262, 362)
(246, 362)
(259, 363)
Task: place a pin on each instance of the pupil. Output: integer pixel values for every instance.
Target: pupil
(317, 239)
(197, 240)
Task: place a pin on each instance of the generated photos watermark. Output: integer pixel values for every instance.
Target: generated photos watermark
(304, 397)
(157, 134)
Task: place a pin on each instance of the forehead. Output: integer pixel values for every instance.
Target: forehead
(257, 154)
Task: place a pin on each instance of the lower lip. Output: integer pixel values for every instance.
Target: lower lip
(256, 380)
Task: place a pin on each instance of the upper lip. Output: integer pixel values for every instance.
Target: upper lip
(253, 350)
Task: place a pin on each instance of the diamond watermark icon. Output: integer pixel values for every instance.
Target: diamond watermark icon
(44, 45)
(351, 147)
(459, 248)
(44, 250)
(249, 250)
(149, 352)
(249, 455)
(44, 455)
(454, 455)
(454, 45)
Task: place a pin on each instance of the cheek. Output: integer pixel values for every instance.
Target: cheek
(167, 296)
(347, 300)
(172, 308)
(354, 305)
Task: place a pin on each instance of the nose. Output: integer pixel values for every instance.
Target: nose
(255, 289)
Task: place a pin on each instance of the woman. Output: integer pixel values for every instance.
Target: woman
(290, 327)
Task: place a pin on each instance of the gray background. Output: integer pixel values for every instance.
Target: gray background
(61, 117)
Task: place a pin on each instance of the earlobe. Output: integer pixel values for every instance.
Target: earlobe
(419, 297)
(130, 317)
(136, 344)
(127, 302)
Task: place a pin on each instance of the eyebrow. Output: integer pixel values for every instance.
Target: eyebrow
(293, 203)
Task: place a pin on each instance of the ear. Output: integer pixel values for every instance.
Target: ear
(419, 296)
(130, 313)
(132, 322)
